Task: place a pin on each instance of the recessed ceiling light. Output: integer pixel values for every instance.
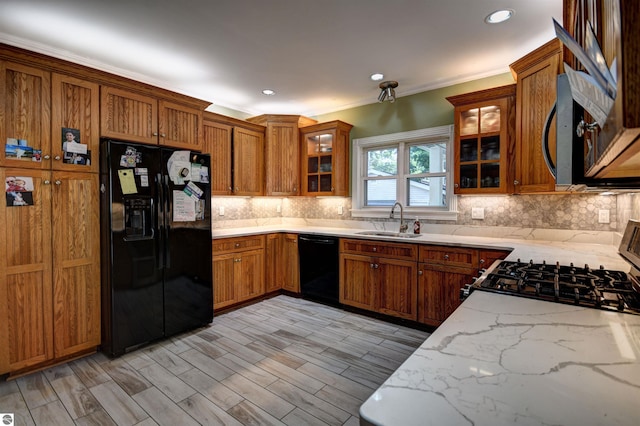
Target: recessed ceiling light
(377, 76)
(499, 16)
(269, 92)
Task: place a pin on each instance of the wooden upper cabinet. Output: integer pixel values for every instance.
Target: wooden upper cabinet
(180, 126)
(75, 107)
(138, 118)
(282, 152)
(282, 158)
(484, 127)
(128, 116)
(25, 116)
(217, 143)
(248, 162)
(26, 296)
(325, 158)
(535, 76)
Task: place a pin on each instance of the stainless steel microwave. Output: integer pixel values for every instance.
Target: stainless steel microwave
(575, 154)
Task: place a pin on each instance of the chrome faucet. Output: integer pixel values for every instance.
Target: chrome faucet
(403, 226)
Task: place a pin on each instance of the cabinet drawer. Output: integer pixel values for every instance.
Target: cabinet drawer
(487, 257)
(451, 256)
(226, 245)
(379, 248)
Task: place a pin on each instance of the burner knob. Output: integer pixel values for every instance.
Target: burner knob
(466, 291)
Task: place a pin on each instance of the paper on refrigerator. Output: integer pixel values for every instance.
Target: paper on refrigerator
(179, 167)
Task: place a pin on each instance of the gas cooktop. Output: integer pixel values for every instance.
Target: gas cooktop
(578, 285)
(583, 286)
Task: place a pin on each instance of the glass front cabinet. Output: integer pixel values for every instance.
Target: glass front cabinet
(325, 158)
(484, 125)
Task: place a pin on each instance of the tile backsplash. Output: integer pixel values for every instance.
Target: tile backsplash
(567, 212)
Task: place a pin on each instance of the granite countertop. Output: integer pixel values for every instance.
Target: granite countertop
(573, 249)
(504, 360)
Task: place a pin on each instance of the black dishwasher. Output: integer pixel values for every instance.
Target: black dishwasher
(319, 262)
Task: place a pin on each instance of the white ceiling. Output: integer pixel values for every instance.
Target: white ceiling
(316, 54)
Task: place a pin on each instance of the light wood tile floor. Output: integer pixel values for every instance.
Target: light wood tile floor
(283, 361)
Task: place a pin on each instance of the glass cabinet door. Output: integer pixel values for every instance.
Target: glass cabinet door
(482, 141)
(319, 162)
(479, 150)
(484, 125)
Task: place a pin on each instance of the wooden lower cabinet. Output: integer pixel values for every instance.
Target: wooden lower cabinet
(272, 269)
(439, 291)
(442, 272)
(238, 270)
(49, 271)
(282, 271)
(387, 285)
(289, 261)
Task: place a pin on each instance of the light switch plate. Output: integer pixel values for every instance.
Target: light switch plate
(221, 211)
(477, 213)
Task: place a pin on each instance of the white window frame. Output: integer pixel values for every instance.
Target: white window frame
(402, 140)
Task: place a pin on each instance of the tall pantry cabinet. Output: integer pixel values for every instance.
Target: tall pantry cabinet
(49, 232)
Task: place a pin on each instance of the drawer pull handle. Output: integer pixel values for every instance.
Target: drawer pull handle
(446, 257)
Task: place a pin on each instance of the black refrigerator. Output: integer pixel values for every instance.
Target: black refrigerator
(155, 243)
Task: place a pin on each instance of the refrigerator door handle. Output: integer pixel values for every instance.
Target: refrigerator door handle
(167, 220)
(160, 220)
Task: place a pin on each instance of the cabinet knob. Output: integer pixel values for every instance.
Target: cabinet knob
(57, 157)
(155, 133)
(371, 265)
(237, 260)
(163, 135)
(516, 182)
(446, 257)
(375, 249)
(332, 189)
(456, 185)
(237, 189)
(376, 266)
(47, 182)
(237, 245)
(420, 272)
(58, 182)
(481, 261)
(47, 156)
(230, 189)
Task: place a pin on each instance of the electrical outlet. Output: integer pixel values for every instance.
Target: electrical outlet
(221, 211)
(603, 216)
(477, 213)
(278, 208)
(340, 210)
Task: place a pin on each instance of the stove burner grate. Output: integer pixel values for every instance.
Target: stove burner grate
(597, 288)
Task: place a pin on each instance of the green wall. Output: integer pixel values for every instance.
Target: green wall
(411, 112)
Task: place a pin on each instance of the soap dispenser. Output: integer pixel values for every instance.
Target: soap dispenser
(416, 226)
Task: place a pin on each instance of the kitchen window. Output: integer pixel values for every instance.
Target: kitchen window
(410, 167)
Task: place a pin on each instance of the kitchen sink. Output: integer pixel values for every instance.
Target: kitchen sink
(388, 234)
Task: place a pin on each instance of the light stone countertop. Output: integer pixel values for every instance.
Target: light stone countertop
(505, 360)
(575, 248)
